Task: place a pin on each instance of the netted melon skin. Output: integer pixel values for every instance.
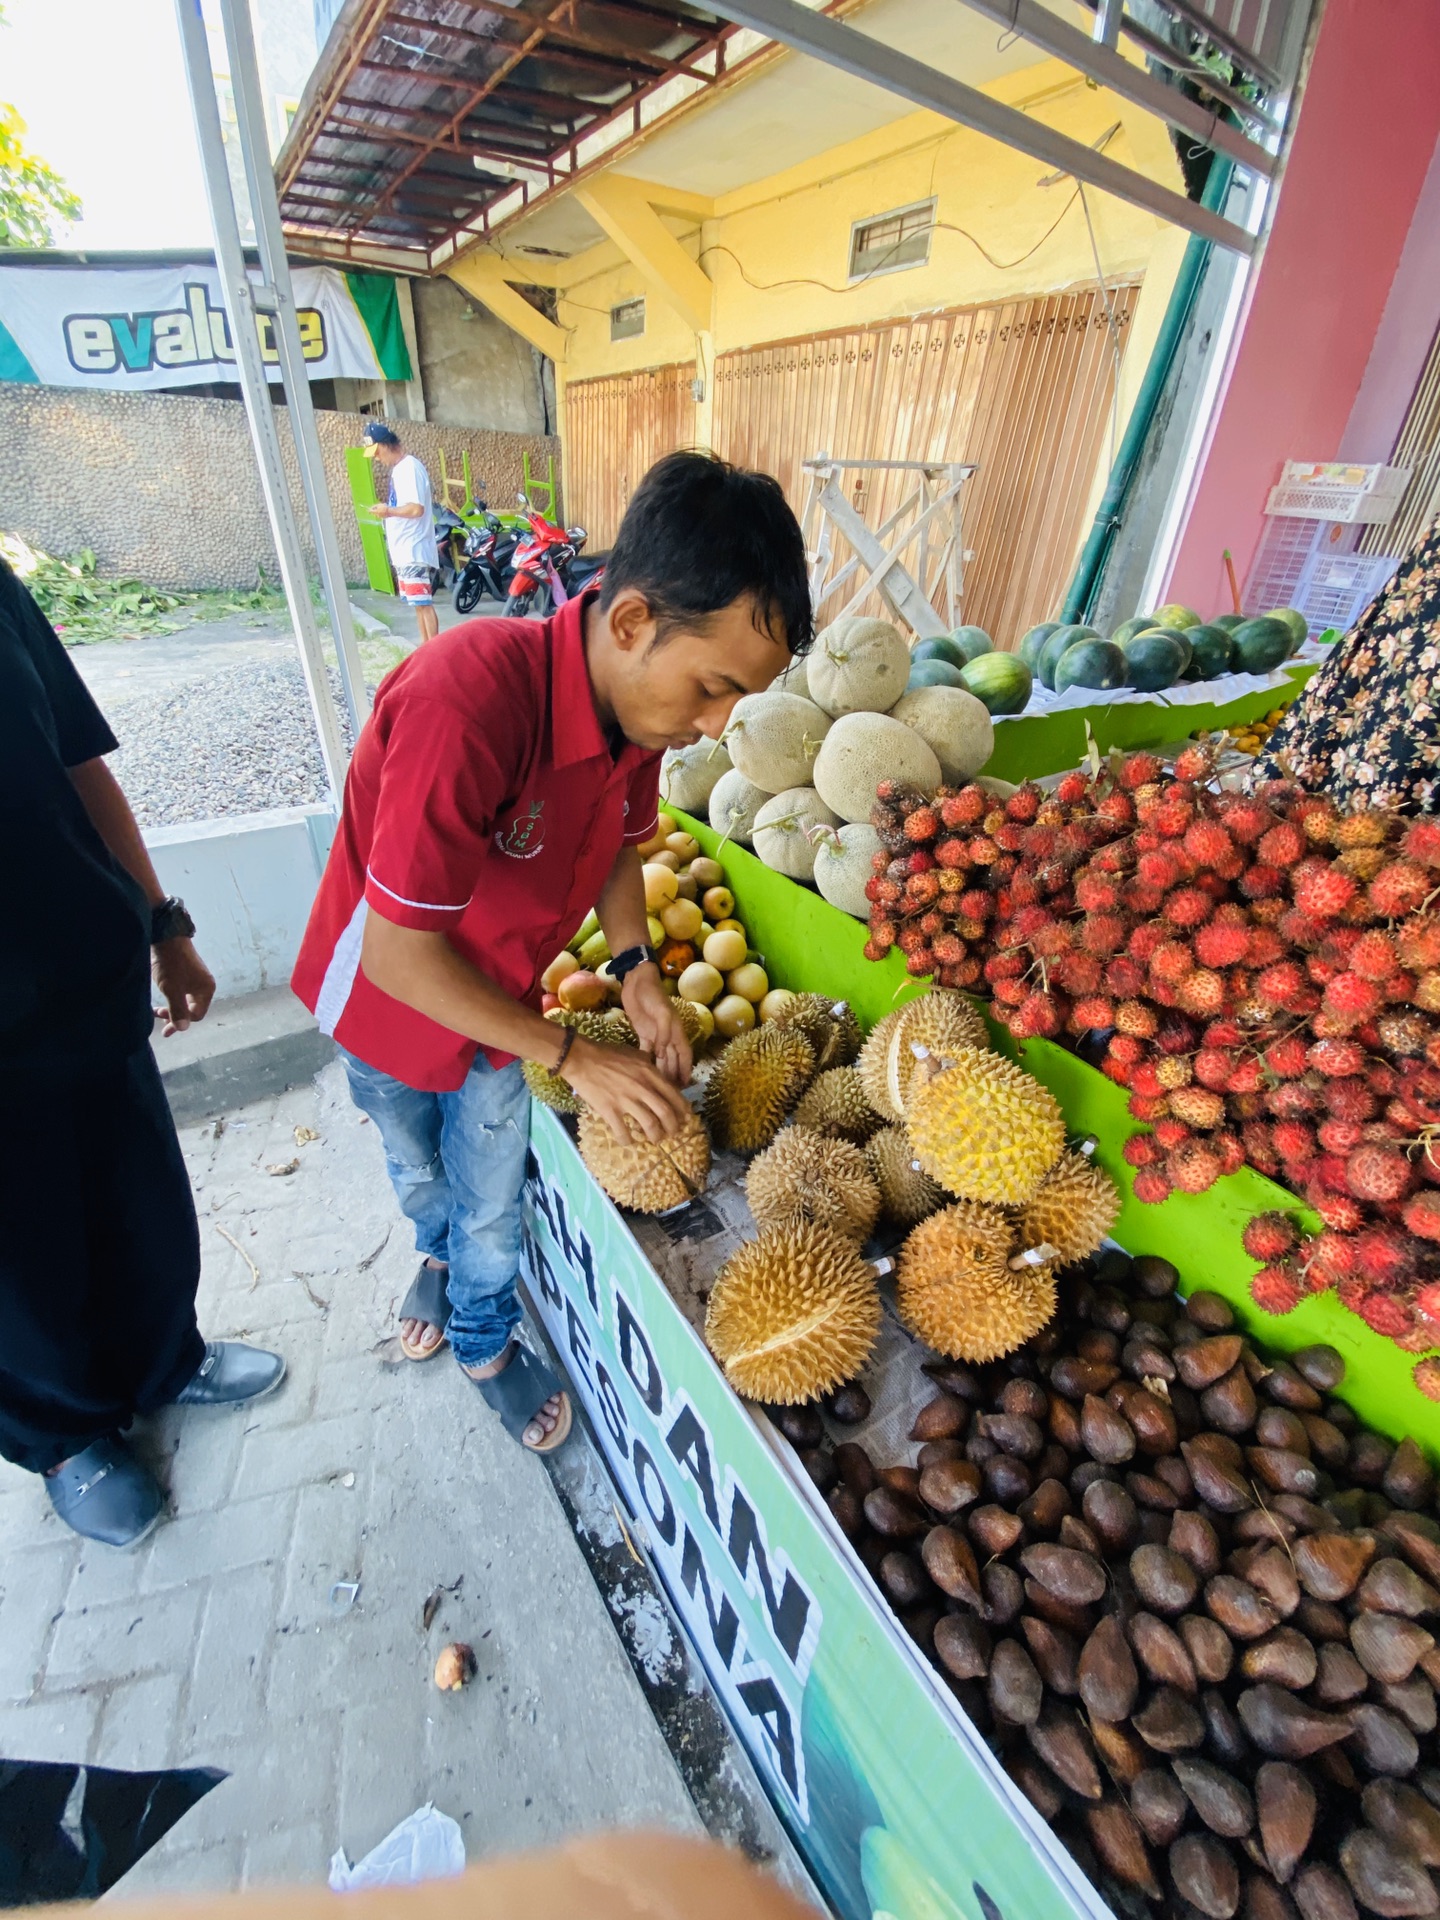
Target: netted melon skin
(986, 1129)
(956, 1291)
(792, 1315)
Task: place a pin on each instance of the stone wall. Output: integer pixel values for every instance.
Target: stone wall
(167, 488)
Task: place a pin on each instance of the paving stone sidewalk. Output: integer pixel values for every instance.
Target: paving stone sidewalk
(219, 1642)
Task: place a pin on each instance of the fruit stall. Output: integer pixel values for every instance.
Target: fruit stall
(1021, 1373)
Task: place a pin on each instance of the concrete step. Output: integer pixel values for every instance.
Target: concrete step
(244, 1049)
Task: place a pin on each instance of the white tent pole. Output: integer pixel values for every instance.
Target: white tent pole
(241, 308)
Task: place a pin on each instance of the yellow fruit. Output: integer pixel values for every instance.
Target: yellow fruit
(685, 887)
(681, 919)
(725, 949)
(683, 845)
(834, 1104)
(647, 1176)
(942, 1021)
(700, 982)
(654, 931)
(734, 1015)
(660, 886)
(732, 926)
(907, 1194)
(696, 1019)
(956, 1291)
(757, 1080)
(563, 963)
(656, 843)
(609, 1029)
(665, 858)
(804, 1176)
(1072, 1210)
(792, 1315)
(985, 1129)
(774, 1003)
(750, 982)
(718, 902)
(707, 873)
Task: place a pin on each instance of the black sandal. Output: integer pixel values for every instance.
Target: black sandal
(519, 1391)
(427, 1300)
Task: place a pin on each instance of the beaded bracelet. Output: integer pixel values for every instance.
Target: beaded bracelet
(565, 1046)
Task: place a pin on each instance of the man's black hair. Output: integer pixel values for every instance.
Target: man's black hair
(699, 534)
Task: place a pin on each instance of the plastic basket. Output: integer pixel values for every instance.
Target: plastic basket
(1336, 588)
(1329, 490)
(1286, 549)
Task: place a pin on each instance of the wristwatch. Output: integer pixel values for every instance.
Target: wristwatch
(170, 921)
(626, 962)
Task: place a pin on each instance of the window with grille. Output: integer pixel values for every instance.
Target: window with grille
(892, 240)
(627, 321)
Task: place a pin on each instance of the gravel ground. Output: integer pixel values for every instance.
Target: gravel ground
(236, 741)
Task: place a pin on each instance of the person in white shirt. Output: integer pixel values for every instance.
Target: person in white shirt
(409, 519)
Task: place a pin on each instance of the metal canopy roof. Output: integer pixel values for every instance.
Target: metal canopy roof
(423, 113)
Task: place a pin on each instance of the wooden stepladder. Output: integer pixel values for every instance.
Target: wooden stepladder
(924, 527)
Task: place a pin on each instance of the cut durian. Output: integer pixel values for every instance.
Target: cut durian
(609, 1029)
(941, 1021)
(757, 1080)
(829, 1025)
(986, 1129)
(957, 1290)
(793, 1314)
(1072, 1210)
(907, 1193)
(647, 1176)
(804, 1176)
(834, 1104)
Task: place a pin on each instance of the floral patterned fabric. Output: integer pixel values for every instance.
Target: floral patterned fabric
(1366, 730)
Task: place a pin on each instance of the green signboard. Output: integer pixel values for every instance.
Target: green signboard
(893, 1800)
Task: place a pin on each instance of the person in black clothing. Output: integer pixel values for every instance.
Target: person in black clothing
(99, 1249)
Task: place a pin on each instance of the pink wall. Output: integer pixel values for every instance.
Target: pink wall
(1402, 345)
(1367, 131)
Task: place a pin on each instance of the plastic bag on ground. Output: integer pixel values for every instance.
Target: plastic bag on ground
(427, 1845)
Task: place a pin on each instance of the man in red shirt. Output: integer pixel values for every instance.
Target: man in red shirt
(499, 791)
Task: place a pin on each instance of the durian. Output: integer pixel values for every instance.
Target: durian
(804, 1176)
(956, 1290)
(697, 1028)
(793, 1314)
(942, 1021)
(834, 1104)
(829, 1025)
(1072, 1211)
(757, 1080)
(645, 1175)
(609, 1029)
(986, 1129)
(907, 1194)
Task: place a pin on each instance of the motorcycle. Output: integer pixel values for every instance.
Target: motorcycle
(489, 556)
(549, 567)
(449, 542)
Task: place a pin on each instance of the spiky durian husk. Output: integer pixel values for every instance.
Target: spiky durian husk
(757, 1080)
(1072, 1210)
(986, 1129)
(688, 1014)
(793, 1314)
(907, 1193)
(942, 1021)
(829, 1025)
(956, 1291)
(610, 1029)
(805, 1176)
(645, 1175)
(834, 1104)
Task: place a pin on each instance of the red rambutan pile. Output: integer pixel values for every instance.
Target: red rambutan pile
(1270, 1236)
(1278, 1288)
(1152, 1186)
(1422, 842)
(1193, 1166)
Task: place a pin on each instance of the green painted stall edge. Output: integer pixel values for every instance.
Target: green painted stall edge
(1032, 745)
(361, 474)
(809, 945)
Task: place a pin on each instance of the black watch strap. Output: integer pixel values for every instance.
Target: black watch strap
(632, 957)
(170, 921)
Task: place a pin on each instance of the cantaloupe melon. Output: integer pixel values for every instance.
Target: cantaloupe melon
(688, 775)
(858, 666)
(794, 679)
(734, 804)
(842, 866)
(773, 739)
(860, 751)
(782, 830)
(954, 724)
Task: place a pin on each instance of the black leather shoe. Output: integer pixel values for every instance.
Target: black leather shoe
(231, 1372)
(105, 1494)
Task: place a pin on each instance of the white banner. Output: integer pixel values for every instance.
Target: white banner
(138, 328)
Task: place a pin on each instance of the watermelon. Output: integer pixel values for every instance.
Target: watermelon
(1000, 681)
(933, 673)
(1176, 616)
(1128, 629)
(1093, 663)
(1061, 639)
(1260, 645)
(941, 648)
(972, 641)
(1295, 620)
(1229, 621)
(1213, 652)
(1154, 660)
(1030, 646)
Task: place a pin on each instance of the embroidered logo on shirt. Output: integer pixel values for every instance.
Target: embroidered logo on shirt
(525, 835)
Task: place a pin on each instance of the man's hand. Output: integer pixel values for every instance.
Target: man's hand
(185, 983)
(617, 1082)
(657, 1027)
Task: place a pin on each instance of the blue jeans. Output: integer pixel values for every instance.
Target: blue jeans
(457, 1164)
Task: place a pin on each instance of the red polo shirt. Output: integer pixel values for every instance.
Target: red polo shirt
(482, 801)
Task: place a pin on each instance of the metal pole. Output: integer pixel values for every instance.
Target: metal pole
(275, 271)
(241, 310)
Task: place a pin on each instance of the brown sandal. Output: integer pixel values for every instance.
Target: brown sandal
(427, 1300)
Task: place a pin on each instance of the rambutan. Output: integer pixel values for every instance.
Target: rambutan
(1117, 1070)
(1374, 957)
(1349, 996)
(1261, 881)
(1330, 1258)
(1377, 1172)
(1193, 1166)
(1301, 930)
(1286, 1058)
(1024, 803)
(1232, 1154)
(1158, 869)
(1135, 1017)
(1096, 892)
(1385, 1257)
(963, 809)
(1116, 809)
(1125, 979)
(1141, 900)
(1072, 789)
(952, 853)
(919, 861)
(1340, 1136)
(1213, 1067)
(1270, 1236)
(1283, 845)
(1171, 1132)
(1246, 1076)
(1404, 1032)
(1245, 818)
(1125, 1047)
(1427, 1377)
(1005, 965)
(1259, 1147)
(1092, 1014)
(1172, 816)
(1281, 985)
(1427, 992)
(1294, 1141)
(1151, 1186)
(1202, 991)
(1140, 1150)
(1146, 1079)
(922, 825)
(1320, 889)
(1176, 1034)
(1078, 973)
(1418, 942)
(1427, 1301)
(1187, 907)
(1198, 1108)
(1009, 992)
(1352, 1290)
(1041, 1015)
(1195, 761)
(1265, 948)
(1052, 939)
(1145, 939)
(1103, 933)
(1422, 1217)
(1269, 911)
(1223, 1033)
(1207, 843)
(1139, 770)
(919, 962)
(1277, 1288)
(1148, 1106)
(1330, 1170)
(1336, 1059)
(1401, 986)
(1171, 961)
(1370, 827)
(1400, 887)
(1220, 944)
(1385, 1314)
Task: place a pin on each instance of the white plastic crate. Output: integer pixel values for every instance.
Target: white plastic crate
(1332, 490)
(1336, 588)
(1286, 549)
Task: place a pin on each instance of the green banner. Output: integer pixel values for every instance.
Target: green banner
(379, 307)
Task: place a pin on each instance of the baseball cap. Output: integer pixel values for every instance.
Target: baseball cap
(377, 434)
